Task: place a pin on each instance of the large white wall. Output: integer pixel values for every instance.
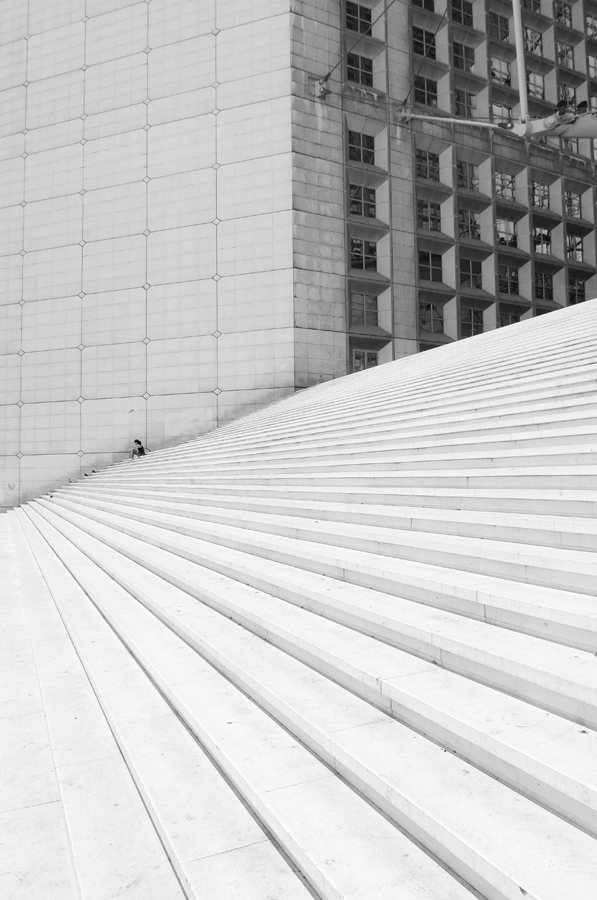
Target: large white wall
(146, 281)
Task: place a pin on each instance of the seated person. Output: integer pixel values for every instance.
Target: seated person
(138, 450)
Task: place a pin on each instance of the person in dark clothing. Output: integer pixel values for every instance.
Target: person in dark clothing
(138, 449)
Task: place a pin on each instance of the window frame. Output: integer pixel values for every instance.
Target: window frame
(501, 72)
(498, 27)
(572, 205)
(577, 289)
(353, 12)
(463, 61)
(371, 359)
(425, 41)
(574, 247)
(365, 251)
(469, 226)
(427, 166)
(366, 309)
(461, 12)
(365, 147)
(509, 278)
(540, 195)
(464, 100)
(541, 238)
(535, 84)
(431, 266)
(476, 321)
(429, 211)
(543, 286)
(433, 314)
(563, 14)
(505, 190)
(533, 41)
(425, 88)
(467, 175)
(359, 70)
(509, 234)
(363, 201)
(474, 277)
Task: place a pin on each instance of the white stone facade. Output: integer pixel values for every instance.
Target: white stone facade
(146, 263)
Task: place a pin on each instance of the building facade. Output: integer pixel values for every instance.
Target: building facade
(195, 221)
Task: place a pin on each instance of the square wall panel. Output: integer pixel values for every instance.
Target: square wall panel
(53, 222)
(55, 99)
(13, 107)
(184, 66)
(117, 83)
(255, 244)
(181, 254)
(51, 427)
(11, 230)
(116, 121)
(52, 273)
(182, 106)
(9, 481)
(120, 32)
(112, 425)
(116, 159)
(115, 211)
(44, 16)
(13, 21)
(13, 64)
(115, 317)
(181, 146)
(174, 418)
(114, 265)
(189, 198)
(172, 22)
(41, 473)
(114, 371)
(11, 279)
(11, 146)
(181, 365)
(51, 375)
(53, 173)
(56, 51)
(181, 310)
(10, 428)
(12, 176)
(52, 324)
(50, 137)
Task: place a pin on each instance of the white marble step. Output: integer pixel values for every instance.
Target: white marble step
(428, 793)
(74, 825)
(569, 570)
(551, 531)
(543, 756)
(560, 502)
(196, 813)
(573, 455)
(557, 678)
(339, 842)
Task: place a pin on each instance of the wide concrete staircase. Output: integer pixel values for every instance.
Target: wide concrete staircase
(347, 645)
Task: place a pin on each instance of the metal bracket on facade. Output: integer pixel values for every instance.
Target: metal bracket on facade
(318, 87)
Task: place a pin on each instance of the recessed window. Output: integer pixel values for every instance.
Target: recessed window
(508, 280)
(425, 91)
(574, 248)
(429, 216)
(540, 195)
(359, 69)
(563, 14)
(471, 275)
(462, 12)
(424, 43)
(427, 165)
(543, 286)
(533, 41)
(501, 112)
(593, 66)
(532, 5)
(363, 309)
(506, 233)
(468, 224)
(504, 186)
(565, 55)
(467, 176)
(431, 318)
(429, 5)
(361, 147)
(508, 319)
(362, 201)
(358, 18)
(430, 266)
(571, 145)
(500, 71)
(464, 57)
(591, 25)
(576, 291)
(568, 93)
(499, 28)
(464, 103)
(363, 254)
(572, 205)
(541, 239)
(364, 359)
(471, 321)
(536, 85)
